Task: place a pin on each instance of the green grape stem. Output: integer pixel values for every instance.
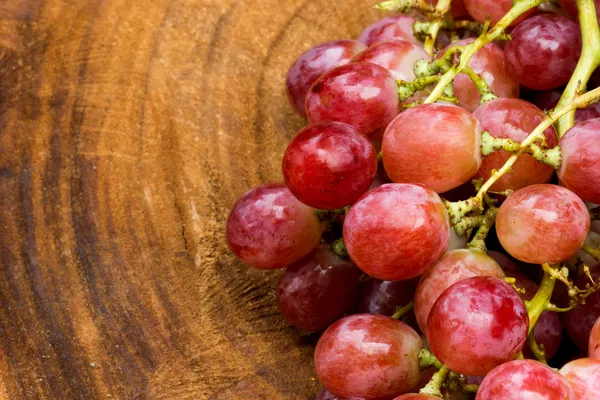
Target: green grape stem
(433, 387)
(538, 304)
(537, 350)
(402, 311)
(481, 85)
(441, 9)
(478, 241)
(427, 360)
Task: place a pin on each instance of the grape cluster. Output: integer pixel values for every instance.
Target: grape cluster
(439, 212)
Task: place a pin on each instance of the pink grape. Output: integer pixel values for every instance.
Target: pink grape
(580, 320)
(312, 64)
(436, 145)
(580, 168)
(383, 297)
(393, 27)
(543, 51)
(368, 356)
(477, 324)
(594, 345)
(584, 377)
(514, 119)
(489, 64)
(494, 9)
(396, 231)
(329, 165)
(524, 379)
(363, 95)
(397, 56)
(316, 291)
(542, 224)
(268, 228)
(454, 266)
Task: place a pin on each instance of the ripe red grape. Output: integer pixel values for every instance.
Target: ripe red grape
(437, 145)
(477, 324)
(314, 63)
(397, 56)
(594, 345)
(269, 228)
(329, 165)
(580, 168)
(454, 266)
(543, 51)
(369, 356)
(317, 290)
(396, 231)
(363, 95)
(393, 27)
(489, 64)
(514, 119)
(542, 224)
(580, 320)
(584, 377)
(494, 9)
(383, 297)
(524, 379)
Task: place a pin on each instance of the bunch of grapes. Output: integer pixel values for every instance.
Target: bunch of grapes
(437, 222)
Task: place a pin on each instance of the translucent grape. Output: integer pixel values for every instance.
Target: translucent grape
(494, 9)
(514, 119)
(269, 228)
(580, 168)
(396, 231)
(314, 63)
(393, 27)
(383, 297)
(369, 356)
(363, 95)
(477, 324)
(329, 165)
(584, 377)
(397, 56)
(594, 345)
(436, 145)
(524, 379)
(542, 224)
(453, 267)
(543, 51)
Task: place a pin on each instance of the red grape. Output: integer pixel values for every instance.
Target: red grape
(489, 63)
(580, 168)
(416, 396)
(594, 345)
(477, 324)
(369, 356)
(584, 377)
(329, 165)
(543, 51)
(393, 27)
(397, 56)
(383, 297)
(312, 64)
(580, 320)
(396, 231)
(325, 394)
(570, 6)
(437, 145)
(542, 224)
(504, 261)
(269, 228)
(314, 292)
(514, 119)
(363, 95)
(494, 9)
(454, 266)
(524, 379)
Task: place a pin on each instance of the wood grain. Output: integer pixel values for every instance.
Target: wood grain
(127, 130)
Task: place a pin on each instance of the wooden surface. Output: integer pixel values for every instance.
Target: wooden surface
(127, 130)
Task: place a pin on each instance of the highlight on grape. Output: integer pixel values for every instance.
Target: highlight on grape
(438, 221)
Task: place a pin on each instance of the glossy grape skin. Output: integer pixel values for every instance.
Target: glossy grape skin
(325, 394)
(317, 290)
(513, 119)
(329, 165)
(436, 145)
(584, 377)
(542, 224)
(594, 344)
(363, 95)
(393, 27)
(524, 379)
(368, 356)
(268, 228)
(495, 9)
(580, 320)
(312, 64)
(543, 51)
(454, 266)
(383, 297)
(396, 231)
(580, 168)
(477, 324)
(490, 65)
(397, 56)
